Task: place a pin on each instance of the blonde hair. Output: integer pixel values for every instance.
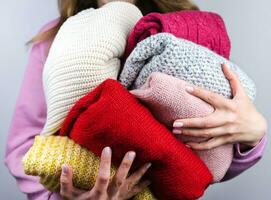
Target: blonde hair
(69, 8)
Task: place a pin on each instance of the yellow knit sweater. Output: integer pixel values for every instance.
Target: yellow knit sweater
(47, 155)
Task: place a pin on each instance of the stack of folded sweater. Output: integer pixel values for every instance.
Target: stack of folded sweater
(86, 52)
(186, 47)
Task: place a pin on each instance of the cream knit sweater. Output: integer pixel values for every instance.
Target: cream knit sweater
(85, 52)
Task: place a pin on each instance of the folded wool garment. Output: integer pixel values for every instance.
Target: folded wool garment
(86, 51)
(47, 155)
(111, 116)
(204, 28)
(167, 99)
(182, 59)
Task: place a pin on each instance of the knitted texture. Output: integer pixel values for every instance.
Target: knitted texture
(204, 28)
(182, 59)
(111, 116)
(85, 52)
(47, 155)
(168, 100)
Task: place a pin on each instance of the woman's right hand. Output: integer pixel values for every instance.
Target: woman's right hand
(120, 187)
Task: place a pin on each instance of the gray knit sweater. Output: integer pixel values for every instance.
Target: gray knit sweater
(182, 59)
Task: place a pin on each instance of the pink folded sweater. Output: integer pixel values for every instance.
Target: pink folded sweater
(167, 99)
(203, 28)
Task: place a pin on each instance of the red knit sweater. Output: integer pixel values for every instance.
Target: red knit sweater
(111, 116)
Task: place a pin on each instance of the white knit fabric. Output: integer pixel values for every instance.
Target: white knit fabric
(86, 51)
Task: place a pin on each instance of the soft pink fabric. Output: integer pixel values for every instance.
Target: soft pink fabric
(167, 99)
(203, 28)
(28, 120)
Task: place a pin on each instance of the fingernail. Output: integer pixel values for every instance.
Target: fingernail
(107, 150)
(65, 169)
(189, 89)
(131, 155)
(225, 66)
(188, 146)
(177, 124)
(177, 131)
(148, 165)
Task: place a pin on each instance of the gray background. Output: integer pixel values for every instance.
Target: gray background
(249, 27)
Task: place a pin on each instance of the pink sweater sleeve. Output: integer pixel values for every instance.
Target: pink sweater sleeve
(244, 160)
(27, 122)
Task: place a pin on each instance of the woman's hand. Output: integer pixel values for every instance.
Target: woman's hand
(233, 120)
(120, 187)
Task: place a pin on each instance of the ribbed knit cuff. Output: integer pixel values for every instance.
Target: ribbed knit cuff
(252, 154)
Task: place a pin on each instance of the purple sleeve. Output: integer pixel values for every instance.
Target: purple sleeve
(244, 160)
(28, 120)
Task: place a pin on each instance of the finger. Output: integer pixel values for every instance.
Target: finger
(212, 98)
(212, 143)
(136, 176)
(235, 84)
(66, 186)
(122, 171)
(210, 121)
(103, 177)
(205, 133)
(140, 187)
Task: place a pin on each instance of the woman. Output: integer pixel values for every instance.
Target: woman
(232, 122)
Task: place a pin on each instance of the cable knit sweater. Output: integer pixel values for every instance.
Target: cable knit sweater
(183, 59)
(168, 100)
(203, 28)
(86, 51)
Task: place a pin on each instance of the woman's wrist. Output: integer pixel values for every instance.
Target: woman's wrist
(244, 147)
(258, 133)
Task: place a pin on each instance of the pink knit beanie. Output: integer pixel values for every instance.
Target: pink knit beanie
(166, 98)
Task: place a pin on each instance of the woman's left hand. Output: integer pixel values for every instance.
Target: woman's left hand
(233, 120)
